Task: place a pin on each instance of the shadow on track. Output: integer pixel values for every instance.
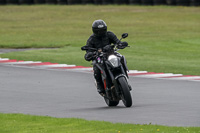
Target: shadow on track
(99, 108)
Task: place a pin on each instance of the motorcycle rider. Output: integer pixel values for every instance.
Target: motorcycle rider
(100, 39)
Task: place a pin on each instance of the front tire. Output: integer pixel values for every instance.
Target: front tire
(111, 103)
(126, 95)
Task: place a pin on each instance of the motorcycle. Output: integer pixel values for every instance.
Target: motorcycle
(114, 74)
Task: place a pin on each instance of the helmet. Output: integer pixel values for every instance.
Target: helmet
(99, 27)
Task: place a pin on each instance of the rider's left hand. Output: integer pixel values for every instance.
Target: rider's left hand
(122, 45)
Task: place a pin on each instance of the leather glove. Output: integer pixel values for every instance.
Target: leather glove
(89, 56)
(122, 45)
(107, 48)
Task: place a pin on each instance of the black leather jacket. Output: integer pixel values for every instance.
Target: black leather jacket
(100, 42)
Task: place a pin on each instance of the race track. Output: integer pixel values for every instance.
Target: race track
(65, 93)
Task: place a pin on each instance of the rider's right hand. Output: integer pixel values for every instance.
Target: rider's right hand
(89, 56)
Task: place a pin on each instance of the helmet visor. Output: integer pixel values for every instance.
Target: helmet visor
(100, 32)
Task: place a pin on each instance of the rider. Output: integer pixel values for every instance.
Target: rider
(100, 39)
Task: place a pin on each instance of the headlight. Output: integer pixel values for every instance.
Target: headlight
(113, 60)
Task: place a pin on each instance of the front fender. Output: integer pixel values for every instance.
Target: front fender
(116, 82)
(120, 75)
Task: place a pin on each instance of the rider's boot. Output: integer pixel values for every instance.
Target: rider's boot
(99, 83)
(100, 87)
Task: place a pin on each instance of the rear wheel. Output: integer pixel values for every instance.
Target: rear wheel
(126, 95)
(111, 103)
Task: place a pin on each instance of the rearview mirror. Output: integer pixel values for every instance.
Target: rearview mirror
(84, 48)
(124, 35)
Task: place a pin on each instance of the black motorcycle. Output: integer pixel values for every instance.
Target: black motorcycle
(114, 73)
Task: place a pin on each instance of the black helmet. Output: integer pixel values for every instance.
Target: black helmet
(99, 27)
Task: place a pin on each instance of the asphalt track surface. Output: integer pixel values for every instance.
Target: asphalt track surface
(65, 93)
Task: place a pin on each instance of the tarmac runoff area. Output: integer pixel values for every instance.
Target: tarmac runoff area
(59, 90)
(20, 49)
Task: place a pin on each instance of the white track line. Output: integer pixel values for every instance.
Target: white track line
(56, 65)
(82, 69)
(24, 62)
(159, 75)
(184, 78)
(136, 71)
(2, 59)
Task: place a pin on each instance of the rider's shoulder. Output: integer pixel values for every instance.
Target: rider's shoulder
(91, 37)
(110, 33)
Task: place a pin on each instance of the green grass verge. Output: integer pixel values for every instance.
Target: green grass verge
(19, 123)
(162, 38)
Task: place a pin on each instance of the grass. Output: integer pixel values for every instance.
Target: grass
(20, 123)
(162, 38)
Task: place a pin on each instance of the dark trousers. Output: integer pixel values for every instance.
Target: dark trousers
(97, 76)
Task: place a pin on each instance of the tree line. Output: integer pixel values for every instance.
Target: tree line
(104, 2)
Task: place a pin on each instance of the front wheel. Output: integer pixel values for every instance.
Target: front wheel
(126, 95)
(111, 103)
